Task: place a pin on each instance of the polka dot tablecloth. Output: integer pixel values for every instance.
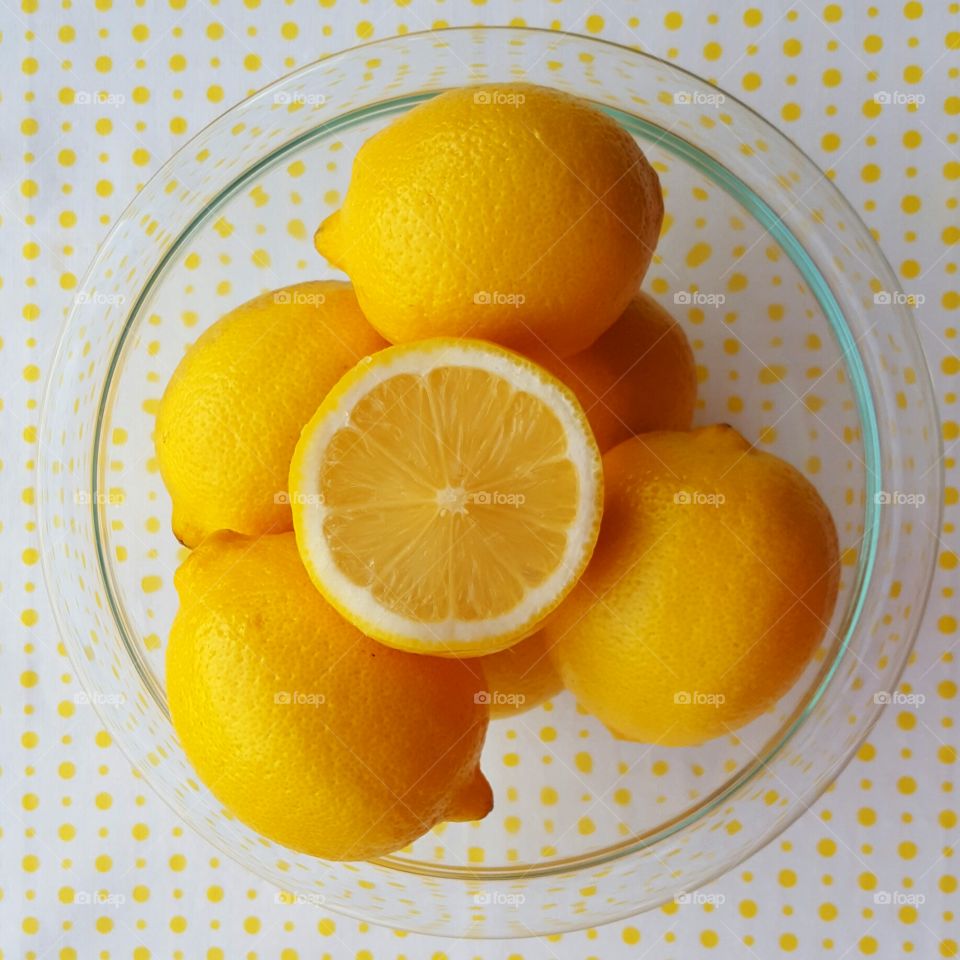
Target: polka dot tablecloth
(870, 871)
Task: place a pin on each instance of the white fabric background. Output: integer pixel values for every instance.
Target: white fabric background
(74, 820)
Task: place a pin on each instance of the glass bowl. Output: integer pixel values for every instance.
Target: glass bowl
(803, 342)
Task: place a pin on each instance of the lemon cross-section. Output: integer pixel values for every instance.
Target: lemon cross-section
(446, 496)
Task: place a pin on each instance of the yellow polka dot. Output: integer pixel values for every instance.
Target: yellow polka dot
(594, 23)
(364, 29)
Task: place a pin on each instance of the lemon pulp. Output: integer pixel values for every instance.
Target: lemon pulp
(459, 498)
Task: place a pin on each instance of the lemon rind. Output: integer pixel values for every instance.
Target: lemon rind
(355, 602)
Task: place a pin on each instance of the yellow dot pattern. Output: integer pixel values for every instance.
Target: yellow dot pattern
(94, 99)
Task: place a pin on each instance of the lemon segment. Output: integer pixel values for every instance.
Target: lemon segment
(446, 496)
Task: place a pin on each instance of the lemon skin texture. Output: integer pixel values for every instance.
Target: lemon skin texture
(233, 409)
(711, 587)
(507, 212)
(639, 376)
(309, 732)
(520, 678)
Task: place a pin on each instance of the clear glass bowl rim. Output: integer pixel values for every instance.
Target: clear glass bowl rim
(738, 783)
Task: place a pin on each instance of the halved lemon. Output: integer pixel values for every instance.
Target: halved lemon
(446, 496)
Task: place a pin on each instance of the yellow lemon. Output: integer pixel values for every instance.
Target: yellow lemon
(509, 212)
(712, 584)
(637, 377)
(311, 733)
(520, 677)
(234, 407)
(446, 496)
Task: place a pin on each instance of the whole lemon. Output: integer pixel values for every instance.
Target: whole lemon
(637, 377)
(711, 586)
(520, 677)
(311, 733)
(232, 412)
(509, 212)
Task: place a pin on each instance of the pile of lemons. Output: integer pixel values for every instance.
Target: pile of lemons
(443, 491)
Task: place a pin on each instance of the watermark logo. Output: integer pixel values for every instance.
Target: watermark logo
(501, 98)
(698, 98)
(98, 98)
(897, 699)
(495, 298)
(286, 99)
(698, 698)
(886, 298)
(496, 498)
(700, 897)
(499, 698)
(498, 898)
(98, 299)
(898, 898)
(98, 898)
(299, 698)
(284, 497)
(898, 498)
(102, 498)
(298, 298)
(695, 298)
(97, 699)
(697, 498)
(299, 899)
(894, 97)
